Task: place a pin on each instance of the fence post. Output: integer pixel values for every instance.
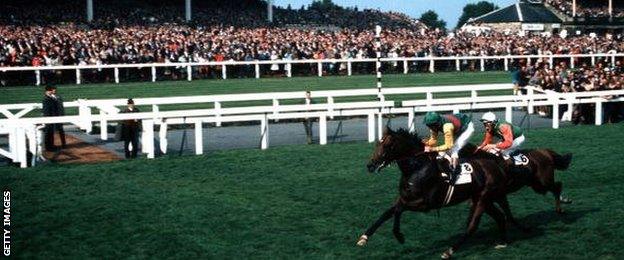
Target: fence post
(599, 112)
(116, 72)
(162, 136)
(189, 73)
(473, 93)
(506, 64)
(199, 140)
(551, 60)
(371, 127)
(37, 77)
(593, 60)
(319, 67)
(349, 68)
(612, 59)
(257, 68)
(482, 64)
(21, 146)
(530, 109)
(223, 71)
(264, 133)
(405, 66)
(457, 65)
(153, 74)
(288, 68)
(379, 125)
(217, 107)
(275, 109)
(572, 62)
(103, 126)
(147, 139)
(78, 77)
(509, 114)
(410, 121)
(429, 98)
(431, 64)
(31, 136)
(555, 119)
(323, 129)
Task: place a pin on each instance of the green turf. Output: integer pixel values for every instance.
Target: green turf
(300, 202)
(232, 86)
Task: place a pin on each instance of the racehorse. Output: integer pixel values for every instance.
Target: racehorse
(423, 188)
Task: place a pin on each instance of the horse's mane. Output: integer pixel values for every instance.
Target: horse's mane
(410, 138)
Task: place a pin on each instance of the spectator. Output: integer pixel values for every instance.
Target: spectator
(53, 106)
(130, 130)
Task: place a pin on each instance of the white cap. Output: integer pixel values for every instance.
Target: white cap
(488, 117)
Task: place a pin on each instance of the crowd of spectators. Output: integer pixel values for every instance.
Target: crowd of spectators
(561, 78)
(589, 8)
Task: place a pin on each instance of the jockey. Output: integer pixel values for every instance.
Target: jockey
(457, 129)
(510, 135)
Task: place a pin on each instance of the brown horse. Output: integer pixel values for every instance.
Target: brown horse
(423, 188)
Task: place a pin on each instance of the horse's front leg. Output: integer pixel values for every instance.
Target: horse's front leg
(371, 230)
(396, 229)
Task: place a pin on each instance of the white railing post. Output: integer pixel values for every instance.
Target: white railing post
(323, 130)
(572, 62)
(330, 106)
(431, 64)
(473, 93)
(405, 66)
(288, 68)
(116, 72)
(349, 68)
(410, 121)
(147, 139)
(162, 136)
(153, 74)
(275, 109)
(482, 64)
(612, 59)
(379, 125)
(31, 136)
(78, 77)
(257, 68)
(21, 146)
(371, 127)
(509, 114)
(599, 112)
(429, 97)
(528, 61)
(264, 133)
(217, 107)
(84, 112)
(37, 77)
(506, 64)
(319, 67)
(189, 73)
(223, 71)
(551, 60)
(530, 92)
(457, 65)
(555, 119)
(199, 140)
(593, 60)
(103, 126)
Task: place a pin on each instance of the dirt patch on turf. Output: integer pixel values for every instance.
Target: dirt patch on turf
(78, 151)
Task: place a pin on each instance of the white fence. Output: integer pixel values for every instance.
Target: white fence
(24, 134)
(287, 64)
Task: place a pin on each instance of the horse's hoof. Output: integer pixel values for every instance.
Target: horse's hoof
(400, 237)
(500, 246)
(447, 254)
(565, 200)
(363, 240)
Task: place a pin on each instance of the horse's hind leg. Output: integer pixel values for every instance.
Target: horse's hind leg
(555, 188)
(472, 227)
(504, 204)
(498, 216)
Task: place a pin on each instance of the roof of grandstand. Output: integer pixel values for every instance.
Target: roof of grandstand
(520, 12)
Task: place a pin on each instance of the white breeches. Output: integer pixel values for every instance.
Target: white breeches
(462, 140)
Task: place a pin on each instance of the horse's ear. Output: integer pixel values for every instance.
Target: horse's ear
(388, 131)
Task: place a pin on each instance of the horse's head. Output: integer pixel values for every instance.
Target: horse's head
(394, 145)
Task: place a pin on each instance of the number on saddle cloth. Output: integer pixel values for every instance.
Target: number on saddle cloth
(519, 159)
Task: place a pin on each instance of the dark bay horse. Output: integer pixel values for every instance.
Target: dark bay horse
(422, 187)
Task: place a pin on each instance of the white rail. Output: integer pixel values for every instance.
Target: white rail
(287, 64)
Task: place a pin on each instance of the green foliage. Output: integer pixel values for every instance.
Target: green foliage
(430, 18)
(295, 202)
(475, 10)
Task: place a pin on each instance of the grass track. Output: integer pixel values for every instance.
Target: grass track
(300, 202)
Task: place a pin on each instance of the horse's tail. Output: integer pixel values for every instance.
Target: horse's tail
(562, 162)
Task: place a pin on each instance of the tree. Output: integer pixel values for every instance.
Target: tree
(430, 18)
(475, 10)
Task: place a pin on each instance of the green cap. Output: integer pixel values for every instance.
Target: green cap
(432, 118)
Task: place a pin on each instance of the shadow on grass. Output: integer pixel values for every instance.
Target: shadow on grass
(484, 239)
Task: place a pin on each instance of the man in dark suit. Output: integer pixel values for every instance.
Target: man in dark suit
(307, 122)
(53, 106)
(130, 130)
